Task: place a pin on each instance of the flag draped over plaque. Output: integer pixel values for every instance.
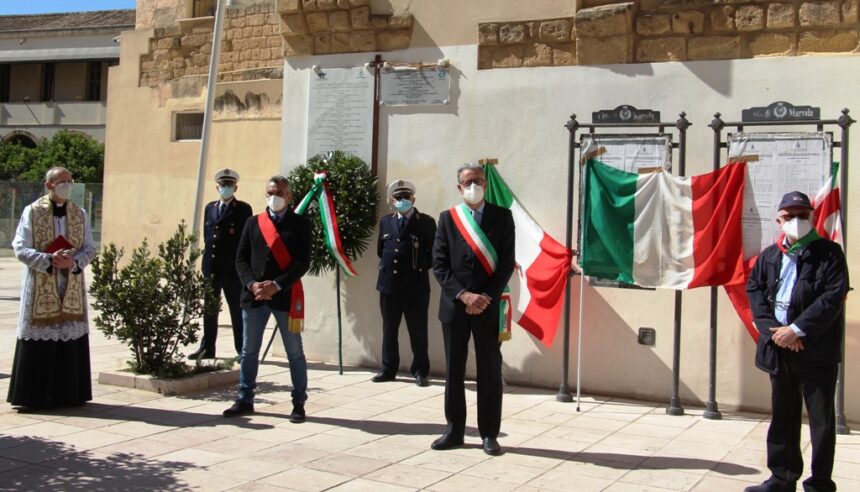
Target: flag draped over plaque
(658, 230)
(542, 264)
(828, 222)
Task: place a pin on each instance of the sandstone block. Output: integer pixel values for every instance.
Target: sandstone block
(649, 25)
(343, 4)
(507, 56)
(723, 19)
(555, 31)
(827, 41)
(379, 21)
(688, 22)
(238, 22)
(772, 44)
(159, 55)
(849, 11)
(513, 33)
(289, 6)
(662, 50)
(309, 5)
(485, 57)
(327, 4)
(339, 20)
(393, 40)
(564, 54)
(603, 51)
(360, 18)
(258, 31)
(273, 19)
(359, 3)
(819, 13)
(298, 45)
(749, 18)
(317, 22)
(340, 42)
(780, 15)
(537, 55)
(362, 41)
(322, 43)
(713, 48)
(402, 21)
(607, 20)
(488, 34)
(255, 20)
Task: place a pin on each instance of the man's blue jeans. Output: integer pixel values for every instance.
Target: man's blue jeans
(255, 320)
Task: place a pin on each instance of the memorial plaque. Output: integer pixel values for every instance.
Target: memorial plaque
(781, 111)
(414, 86)
(625, 114)
(784, 162)
(340, 112)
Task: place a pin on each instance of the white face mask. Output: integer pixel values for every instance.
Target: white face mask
(473, 193)
(276, 203)
(63, 191)
(796, 228)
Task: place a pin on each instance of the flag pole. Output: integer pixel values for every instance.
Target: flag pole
(563, 394)
(579, 341)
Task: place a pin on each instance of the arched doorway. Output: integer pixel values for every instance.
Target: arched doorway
(21, 137)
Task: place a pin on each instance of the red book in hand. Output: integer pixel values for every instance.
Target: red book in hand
(59, 243)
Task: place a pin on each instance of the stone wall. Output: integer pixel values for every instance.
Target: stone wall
(673, 30)
(320, 27)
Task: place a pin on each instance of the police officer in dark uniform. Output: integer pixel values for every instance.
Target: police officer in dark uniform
(224, 221)
(405, 249)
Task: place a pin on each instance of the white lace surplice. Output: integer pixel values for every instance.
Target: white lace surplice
(34, 261)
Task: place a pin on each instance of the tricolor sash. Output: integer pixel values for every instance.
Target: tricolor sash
(284, 259)
(486, 254)
(475, 237)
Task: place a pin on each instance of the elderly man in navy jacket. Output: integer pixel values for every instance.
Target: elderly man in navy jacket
(405, 249)
(797, 294)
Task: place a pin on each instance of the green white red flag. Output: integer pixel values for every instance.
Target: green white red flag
(328, 220)
(542, 265)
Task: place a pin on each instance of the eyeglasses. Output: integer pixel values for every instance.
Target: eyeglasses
(477, 181)
(403, 196)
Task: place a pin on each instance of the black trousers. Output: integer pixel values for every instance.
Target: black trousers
(232, 287)
(414, 307)
(488, 358)
(790, 387)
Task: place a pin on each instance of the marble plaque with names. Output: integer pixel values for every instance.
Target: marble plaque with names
(413, 86)
(340, 112)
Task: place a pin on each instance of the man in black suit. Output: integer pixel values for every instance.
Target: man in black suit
(797, 294)
(405, 250)
(222, 227)
(473, 259)
(273, 254)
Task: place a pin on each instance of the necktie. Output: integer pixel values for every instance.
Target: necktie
(401, 222)
(221, 207)
(477, 215)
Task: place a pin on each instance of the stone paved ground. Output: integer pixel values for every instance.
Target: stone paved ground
(366, 436)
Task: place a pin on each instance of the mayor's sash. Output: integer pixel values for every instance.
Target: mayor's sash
(284, 259)
(486, 254)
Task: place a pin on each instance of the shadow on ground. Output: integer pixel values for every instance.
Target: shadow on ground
(63, 467)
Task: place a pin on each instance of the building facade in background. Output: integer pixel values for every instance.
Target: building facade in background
(53, 72)
(518, 70)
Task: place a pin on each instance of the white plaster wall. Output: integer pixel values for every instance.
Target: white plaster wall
(517, 116)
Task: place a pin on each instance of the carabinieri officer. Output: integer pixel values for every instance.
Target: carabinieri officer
(405, 250)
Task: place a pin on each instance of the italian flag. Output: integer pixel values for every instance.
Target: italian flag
(658, 230)
(827, 221)
(542, 265)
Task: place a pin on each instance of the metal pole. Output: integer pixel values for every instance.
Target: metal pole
(675, 407)
(339, 325)
(712, 412)
(374, 152)
(844, 122)
(207, 116)
(563, 394)
(269, 345)
(579, 341)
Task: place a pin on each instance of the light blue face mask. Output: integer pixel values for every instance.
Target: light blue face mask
(226, 192)
(403, 206)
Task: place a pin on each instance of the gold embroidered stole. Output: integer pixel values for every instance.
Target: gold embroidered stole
(48, 307)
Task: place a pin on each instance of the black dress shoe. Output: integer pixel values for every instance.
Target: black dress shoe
(239, 408)
(491, 446)
(447, 441)
(202, 353)
(383, 377)
(422, 381)
(773, 484)
(297, 416)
